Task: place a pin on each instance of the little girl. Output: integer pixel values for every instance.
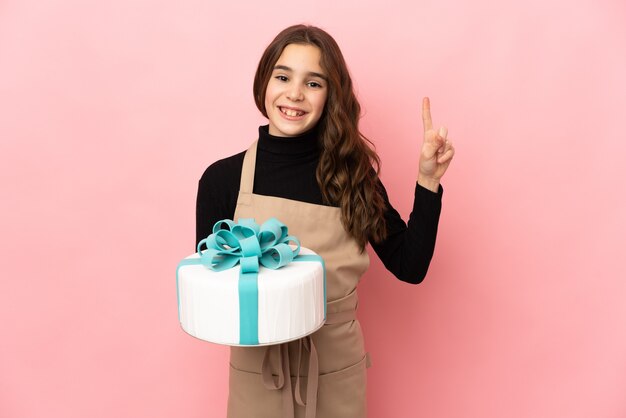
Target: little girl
(312, 169)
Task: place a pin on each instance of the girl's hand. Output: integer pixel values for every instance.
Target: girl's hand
(436, 153)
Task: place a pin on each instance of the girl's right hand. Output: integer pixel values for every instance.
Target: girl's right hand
(436, 153)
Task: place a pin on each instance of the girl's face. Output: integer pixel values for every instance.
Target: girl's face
(296, 92)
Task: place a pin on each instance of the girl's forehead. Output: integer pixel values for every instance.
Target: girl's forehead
(301, 57)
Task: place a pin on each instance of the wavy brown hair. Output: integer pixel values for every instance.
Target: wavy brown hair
(348, 168)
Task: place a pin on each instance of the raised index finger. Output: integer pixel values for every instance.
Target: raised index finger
(428, 122)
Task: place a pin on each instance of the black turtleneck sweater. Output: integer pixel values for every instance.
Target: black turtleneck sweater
(285, 167)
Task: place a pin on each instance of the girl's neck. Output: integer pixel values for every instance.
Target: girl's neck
(306, 143)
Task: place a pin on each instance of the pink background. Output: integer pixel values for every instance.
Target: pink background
(110, 112)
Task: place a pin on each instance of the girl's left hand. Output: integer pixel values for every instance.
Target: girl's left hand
(436, 154)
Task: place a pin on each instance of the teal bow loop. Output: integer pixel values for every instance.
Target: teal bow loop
(250, 245)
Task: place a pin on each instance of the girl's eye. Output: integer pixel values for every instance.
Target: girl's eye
(314, 84)
(281, 77)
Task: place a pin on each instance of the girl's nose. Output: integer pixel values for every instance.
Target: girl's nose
(295, 93)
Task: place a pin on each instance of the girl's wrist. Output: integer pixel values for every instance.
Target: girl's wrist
(428, 183)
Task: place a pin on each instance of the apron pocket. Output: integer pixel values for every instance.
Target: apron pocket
(248, 397)
(341, 394)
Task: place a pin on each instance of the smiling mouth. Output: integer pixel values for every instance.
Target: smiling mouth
(291, 112)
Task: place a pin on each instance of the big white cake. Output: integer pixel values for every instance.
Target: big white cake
(290, 301)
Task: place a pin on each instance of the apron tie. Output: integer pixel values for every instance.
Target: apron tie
(283, 380)
(312, 377)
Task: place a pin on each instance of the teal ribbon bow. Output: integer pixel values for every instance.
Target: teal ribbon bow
(248, 244)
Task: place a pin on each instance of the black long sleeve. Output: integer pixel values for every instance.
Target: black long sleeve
(286, 168)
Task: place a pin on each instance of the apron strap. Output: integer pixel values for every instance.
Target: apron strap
(247, 170)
